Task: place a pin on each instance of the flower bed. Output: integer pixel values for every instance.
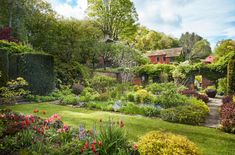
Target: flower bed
(28, 133)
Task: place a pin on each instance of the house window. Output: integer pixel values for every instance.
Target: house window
(172, 59)
(164, 59)
(158, 59)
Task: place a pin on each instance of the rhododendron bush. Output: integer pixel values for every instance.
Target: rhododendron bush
(30, 133)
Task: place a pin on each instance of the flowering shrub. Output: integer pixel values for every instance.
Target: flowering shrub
(159, 143)
(227, 115)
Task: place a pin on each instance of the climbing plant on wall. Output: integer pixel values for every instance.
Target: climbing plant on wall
(231, 77)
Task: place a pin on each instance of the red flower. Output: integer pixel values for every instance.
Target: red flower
(47, 127)
(82, 150)
(93, 148)
(94, 142)
(34, 127)
(87, 145)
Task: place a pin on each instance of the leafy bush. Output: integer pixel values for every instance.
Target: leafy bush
(170, 99)
(101, 83)
(70, 99)
(227, 114)
(14, 89)
(157, 88)
(105, 106)
(145, 110)
(151, 111)
(77, 88)
(222, 86)
(88, 94)
(131, 108)
(143, 96)
(131, 96)
(190, 114)
(159, 143)
(37, 98)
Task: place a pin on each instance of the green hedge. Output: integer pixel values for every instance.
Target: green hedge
(231, 77)
(36, 69)
(3, 67)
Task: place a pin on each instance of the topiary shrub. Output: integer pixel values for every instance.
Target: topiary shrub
(227, 115)
(159, 143)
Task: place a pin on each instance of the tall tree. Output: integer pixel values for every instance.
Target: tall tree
(187, 41)
(200, 50)
(115, 18)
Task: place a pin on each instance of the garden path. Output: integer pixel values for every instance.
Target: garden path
(213, 120)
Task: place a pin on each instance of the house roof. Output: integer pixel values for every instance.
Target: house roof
(172, 52)
(209, 59)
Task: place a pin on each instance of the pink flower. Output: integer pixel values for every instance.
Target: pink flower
(135, 146)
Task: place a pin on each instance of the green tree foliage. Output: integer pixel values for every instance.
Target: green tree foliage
(224, 47)
(200, 50)
(146, 40)
(115, 18)
(187, 41)
(21, 13)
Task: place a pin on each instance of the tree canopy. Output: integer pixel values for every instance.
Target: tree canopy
(115, 18)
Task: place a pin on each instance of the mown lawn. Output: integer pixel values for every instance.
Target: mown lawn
(210, 141)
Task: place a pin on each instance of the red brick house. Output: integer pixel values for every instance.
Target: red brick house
(165, 56)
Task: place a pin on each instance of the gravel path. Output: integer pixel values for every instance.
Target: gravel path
(213, 120)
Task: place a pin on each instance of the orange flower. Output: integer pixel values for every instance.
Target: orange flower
(44, 112)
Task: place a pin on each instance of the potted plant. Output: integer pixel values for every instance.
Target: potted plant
(211, 91)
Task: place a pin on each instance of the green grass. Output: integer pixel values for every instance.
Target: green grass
(210, 141)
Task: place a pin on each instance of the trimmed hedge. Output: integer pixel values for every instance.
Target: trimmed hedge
(4, 66)
(231, 77)
(36, 69)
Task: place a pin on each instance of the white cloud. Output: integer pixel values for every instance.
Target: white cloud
(67, 10)
(209, 18)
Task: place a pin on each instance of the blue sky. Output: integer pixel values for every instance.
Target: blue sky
(212, 19)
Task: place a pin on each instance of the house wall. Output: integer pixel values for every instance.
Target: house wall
(153, 59)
